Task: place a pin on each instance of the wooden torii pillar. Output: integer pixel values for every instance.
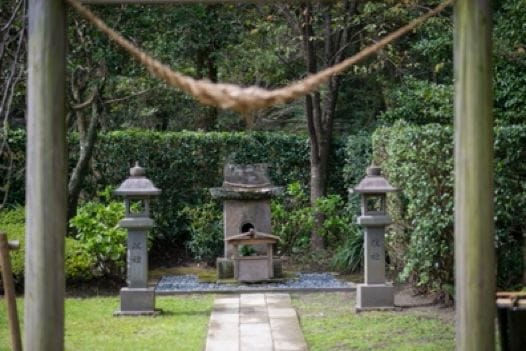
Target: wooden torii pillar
(46, 173)
(46, 176)
(474, 248)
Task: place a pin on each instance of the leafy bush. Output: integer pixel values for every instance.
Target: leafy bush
(419, 102)
(12, 223)
(292, 220)
(78, 262)
(206, 231)
(337, 220)
(419, 160)
(98, 233)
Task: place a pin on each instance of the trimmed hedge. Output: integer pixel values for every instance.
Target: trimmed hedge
(185, 165)
(419, 160)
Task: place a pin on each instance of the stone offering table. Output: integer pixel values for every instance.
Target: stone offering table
(253, 268)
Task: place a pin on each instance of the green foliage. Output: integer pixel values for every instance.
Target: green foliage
(425, 57)
(337, 219)
(419, 102)
(358, 155)
(98, 232)
(16, 139)
(348, 255)
(292, 220)
(247, 250)
(78, 262)
(12, 223)
(510, 61)
(419, 160)
(185, 165)
(206, 231)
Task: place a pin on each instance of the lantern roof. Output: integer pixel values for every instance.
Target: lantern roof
(374, 182)
(137, 185)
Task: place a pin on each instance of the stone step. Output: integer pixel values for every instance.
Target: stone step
(254, 322)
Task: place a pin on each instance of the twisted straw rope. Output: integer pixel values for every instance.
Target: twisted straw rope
(245, 99)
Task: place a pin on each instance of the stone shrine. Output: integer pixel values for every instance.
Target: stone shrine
(246, 195)
(253, 268)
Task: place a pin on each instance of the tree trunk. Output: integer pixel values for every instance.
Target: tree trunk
(207, 67)
(81, 168)
(320, 108)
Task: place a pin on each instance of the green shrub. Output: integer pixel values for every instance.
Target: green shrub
(419, 160)
(419, 102)
(292, 220)
(206, 231)
(12, 223)
(338, 220)
(78, 262)
(98, 233)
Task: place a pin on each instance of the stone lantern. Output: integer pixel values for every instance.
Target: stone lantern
(374, 293)
(137, 298)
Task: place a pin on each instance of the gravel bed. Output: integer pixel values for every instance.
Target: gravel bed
(181, 284)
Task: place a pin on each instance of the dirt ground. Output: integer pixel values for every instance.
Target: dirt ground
(408, 300)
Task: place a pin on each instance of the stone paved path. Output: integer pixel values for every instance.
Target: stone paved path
(254, 322)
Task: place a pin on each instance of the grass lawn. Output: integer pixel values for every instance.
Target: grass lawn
(329, 323)
(90, 325)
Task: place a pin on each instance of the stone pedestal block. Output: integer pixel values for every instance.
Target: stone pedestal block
(225, 268)
(374, 255)
(137, 259)
(374, 296)
(277, 265)
(137, 301)
(252, 269)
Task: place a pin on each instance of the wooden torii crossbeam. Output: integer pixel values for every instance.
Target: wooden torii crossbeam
(46, 173)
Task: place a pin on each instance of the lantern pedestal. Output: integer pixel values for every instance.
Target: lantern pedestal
(374, 293)
(137, 302)
(374, 297)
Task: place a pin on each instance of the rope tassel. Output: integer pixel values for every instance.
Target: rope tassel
(245, 100)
